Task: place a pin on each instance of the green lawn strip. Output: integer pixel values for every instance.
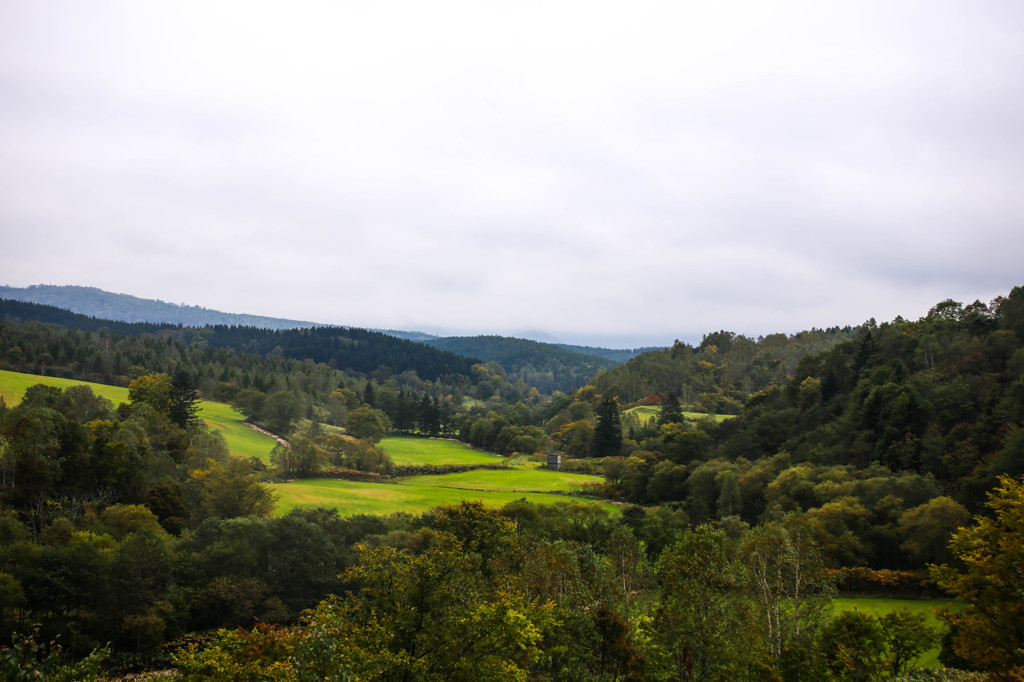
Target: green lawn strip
(646, 413)
(420, 451)
(241, 440)
(879, 606)
(523, 480)
(354, 497)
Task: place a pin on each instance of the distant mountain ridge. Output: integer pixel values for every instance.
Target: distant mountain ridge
(106, 305)
(126, 308)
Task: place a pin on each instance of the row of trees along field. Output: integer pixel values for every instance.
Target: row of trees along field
(869, 455)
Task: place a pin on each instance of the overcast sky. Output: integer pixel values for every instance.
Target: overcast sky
(614, 174)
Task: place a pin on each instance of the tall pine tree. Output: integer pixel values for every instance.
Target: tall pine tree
(183, 409)
(671, 413)
(607, 440)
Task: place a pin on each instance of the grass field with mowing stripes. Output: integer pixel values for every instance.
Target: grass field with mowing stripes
(353, 497)
(524, 480)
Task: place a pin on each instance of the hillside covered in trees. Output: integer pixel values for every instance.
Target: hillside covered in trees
(348, 348)
(721, 372)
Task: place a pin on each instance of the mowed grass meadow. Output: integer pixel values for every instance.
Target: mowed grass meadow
(417, 494)
(242, 440)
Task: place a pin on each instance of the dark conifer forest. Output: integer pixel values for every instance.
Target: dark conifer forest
(753, 482)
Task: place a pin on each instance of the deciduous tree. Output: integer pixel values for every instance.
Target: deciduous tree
(702, 620)
(990, 632)
(367, 423)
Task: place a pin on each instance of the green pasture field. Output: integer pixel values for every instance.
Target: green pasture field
(354, 497)
(646, 413)
(517, 480)
(241, 440)
(420, 451)
(879, 606)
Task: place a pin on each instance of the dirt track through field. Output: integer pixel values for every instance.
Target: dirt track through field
(276, 437)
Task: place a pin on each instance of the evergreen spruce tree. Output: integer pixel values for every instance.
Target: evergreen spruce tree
(607, 440)
(430, 422)
(183, 409)
(671, 412)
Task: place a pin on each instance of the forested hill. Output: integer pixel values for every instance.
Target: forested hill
(37, 312)
(100, 304)
(722, 372)
(545, 365)
(942, 397)
(345, 348)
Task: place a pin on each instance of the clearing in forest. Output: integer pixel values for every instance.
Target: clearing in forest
(417, 494)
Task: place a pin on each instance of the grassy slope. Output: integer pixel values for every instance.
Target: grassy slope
(880, 606)
(241, 440)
